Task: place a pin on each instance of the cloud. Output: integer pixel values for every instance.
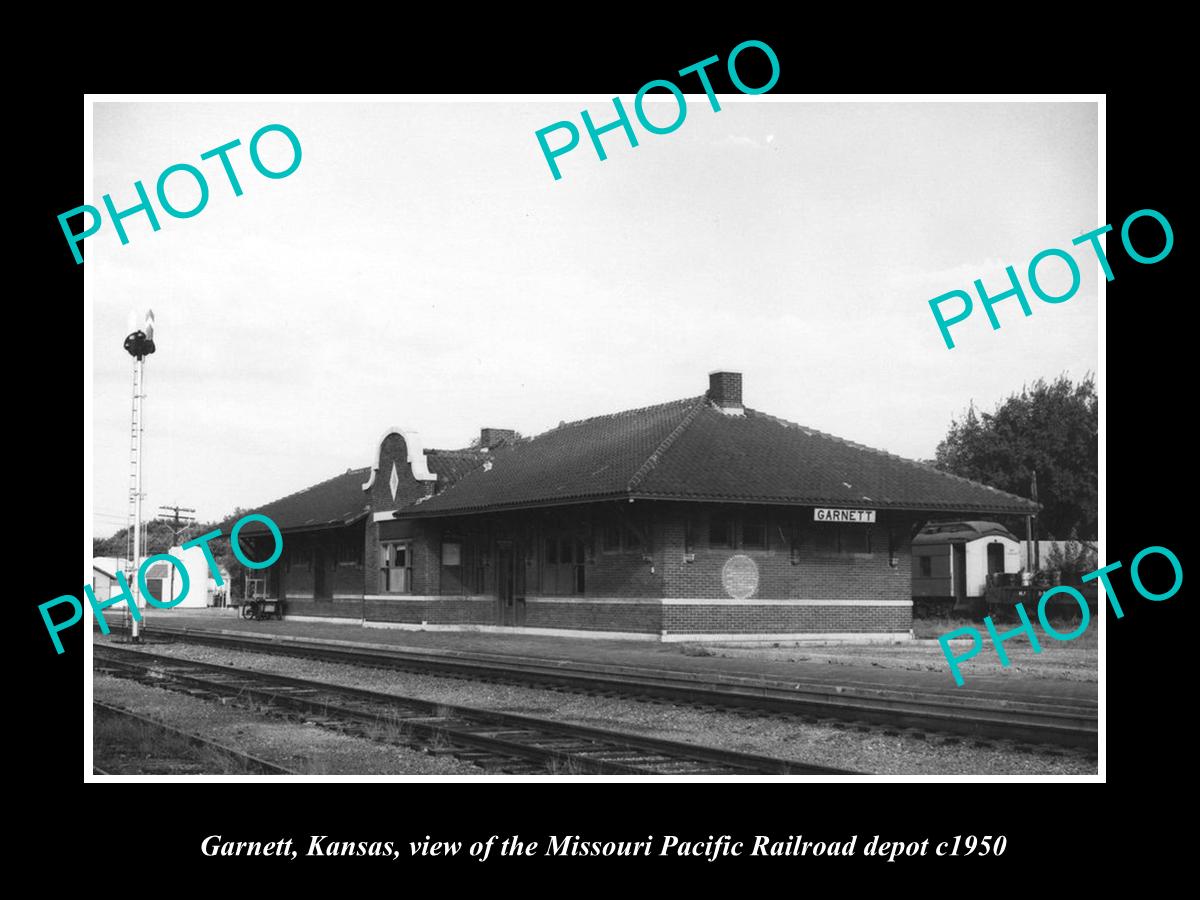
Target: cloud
(952, 278)
(740, 140)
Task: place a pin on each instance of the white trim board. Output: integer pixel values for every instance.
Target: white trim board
(851, 637)
(328, 620)
(664, 636)
(632, 601)
(671, 601)
(430, 598)
(518, 629)
(637, 601)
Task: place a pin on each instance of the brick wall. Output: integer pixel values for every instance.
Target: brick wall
(817, 570)
(338, 609)
(436, 611)
(752, 618)
(426, 549)
(624, 574)
(424, 546)
(348, 578)
(640, 617)
(297, 577)
(329, 548)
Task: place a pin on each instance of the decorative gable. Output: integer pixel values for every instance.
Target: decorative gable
(406, 477)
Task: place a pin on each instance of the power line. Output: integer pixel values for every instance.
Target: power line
(178, 514)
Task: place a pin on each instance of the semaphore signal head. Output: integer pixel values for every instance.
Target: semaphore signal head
(140, 343)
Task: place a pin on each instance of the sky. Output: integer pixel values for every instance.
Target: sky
(422, 269)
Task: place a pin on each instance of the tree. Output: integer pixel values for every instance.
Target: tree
(159, 539)
(1048, 428)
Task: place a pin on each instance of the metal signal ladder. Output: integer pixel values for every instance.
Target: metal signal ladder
(135, 485)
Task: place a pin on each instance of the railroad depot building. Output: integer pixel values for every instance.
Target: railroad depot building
(698, 519)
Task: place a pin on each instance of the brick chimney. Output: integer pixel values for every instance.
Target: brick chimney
(493, 437)
(725, 390)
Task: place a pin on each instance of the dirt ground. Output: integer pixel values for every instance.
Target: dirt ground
(305, 749)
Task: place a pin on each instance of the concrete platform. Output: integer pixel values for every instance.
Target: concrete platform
(908, 667)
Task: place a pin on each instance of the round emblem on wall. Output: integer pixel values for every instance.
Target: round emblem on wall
(740, 577)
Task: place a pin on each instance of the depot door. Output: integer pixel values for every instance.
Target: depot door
(506, 610)
(960, 574)
(320, 576)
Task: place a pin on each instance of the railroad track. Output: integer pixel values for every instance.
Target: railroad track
(251, 765)
(1031, 723)
(499, 741)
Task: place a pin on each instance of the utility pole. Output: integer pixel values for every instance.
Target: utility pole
(139, 344)
(176, 516)
(1037, 555)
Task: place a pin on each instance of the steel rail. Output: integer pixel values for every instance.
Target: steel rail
(543, 742)
(1060, 723)
(255, 765)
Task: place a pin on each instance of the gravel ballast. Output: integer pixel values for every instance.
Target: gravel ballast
(305, 749)
(824, 744)
(1056, 661)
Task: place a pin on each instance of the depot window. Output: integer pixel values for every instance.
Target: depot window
(350, 551)
(754, 536)
(395, 567)
(633, 539)
(825, 538)
(854, 538)
(300, 558)
(926, 566)
(720, 531)
(612, 538)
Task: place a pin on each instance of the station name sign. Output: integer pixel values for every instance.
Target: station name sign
(844, 515)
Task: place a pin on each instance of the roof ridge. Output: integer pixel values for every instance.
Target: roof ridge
(464, 451)
(505, 448)
(311, 487)
(648, 466)
(613, 415)
(895, 456)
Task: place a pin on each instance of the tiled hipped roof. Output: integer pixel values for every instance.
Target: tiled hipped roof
(691, 450)
(342, 501)
(338, 501)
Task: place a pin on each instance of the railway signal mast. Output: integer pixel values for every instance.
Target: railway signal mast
(139, 344)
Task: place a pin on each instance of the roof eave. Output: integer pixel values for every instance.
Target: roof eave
(416, 512)
(996, 509)
(315, 526)
(842, 503)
